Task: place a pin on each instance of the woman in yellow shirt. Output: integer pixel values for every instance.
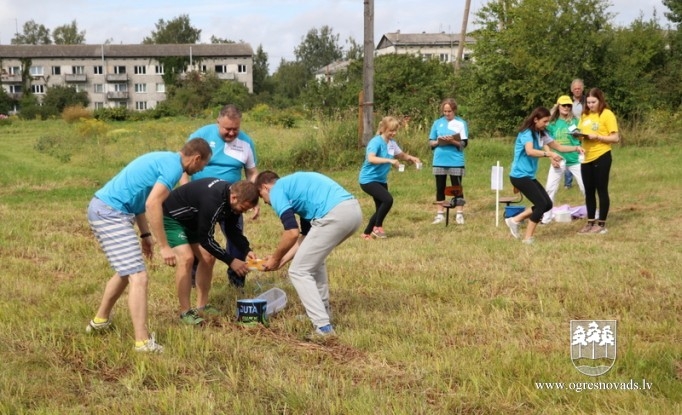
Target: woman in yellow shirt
(600, 129)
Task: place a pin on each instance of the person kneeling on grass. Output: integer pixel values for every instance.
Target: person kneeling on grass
(329, 215)
(190, 215)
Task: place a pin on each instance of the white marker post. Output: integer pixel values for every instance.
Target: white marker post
(496, 183)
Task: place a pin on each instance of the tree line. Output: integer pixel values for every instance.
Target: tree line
(526, 54)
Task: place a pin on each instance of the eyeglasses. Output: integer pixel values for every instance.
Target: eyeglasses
(567, 105)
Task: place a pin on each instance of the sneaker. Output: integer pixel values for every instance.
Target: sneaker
(209, 310)
(528, 241)
(459, 219)
(438, 219)
(234, 279)
(586, 229)
(513, 227)
(150, 346)
(191, 317)
(98, 327)
(378, 232)
(598, 230)
(366, 236)
(324, 331)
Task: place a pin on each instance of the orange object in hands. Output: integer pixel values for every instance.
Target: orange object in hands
(255, 264)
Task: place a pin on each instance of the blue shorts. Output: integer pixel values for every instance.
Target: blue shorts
(115, 232)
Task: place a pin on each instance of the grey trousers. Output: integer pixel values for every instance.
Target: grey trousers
(308, 269)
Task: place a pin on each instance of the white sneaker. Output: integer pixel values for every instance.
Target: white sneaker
(438, 219)
(459, 219)
(150, 346)
(513, 227)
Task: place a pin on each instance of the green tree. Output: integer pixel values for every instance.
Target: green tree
(355, 50)
(318, 48)
(192, 94)
(34, 34)
(177, 30)
(527, 53)
(675, 14)
(215, 40)
(289, 81)
(59, 97)
(231, 92)
(68, 35)
(260, 70)
(6, 102)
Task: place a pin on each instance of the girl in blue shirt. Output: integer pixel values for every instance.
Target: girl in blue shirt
(527, 150)
(382, 153)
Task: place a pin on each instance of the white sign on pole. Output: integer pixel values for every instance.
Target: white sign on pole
(496, 174)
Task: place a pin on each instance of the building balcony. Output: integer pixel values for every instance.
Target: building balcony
(117, 95)
(76, 78)
(11, 79)
(117, 77)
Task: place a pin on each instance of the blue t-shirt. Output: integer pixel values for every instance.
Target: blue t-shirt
(129, 189)
(448, 156)
(378, 172)
(228, 159)
(524, 165)
(310, 195)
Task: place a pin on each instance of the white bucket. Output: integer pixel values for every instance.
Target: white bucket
(276, 299)
(563, 216)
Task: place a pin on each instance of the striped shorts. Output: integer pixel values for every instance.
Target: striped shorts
(115, 232)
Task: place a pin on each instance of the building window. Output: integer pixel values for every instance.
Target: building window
(98, 70)
(36, 71)
(56, 70)
(121, 87)
(99, 105)
(161, 88)
(445, 57)
(14, 89)
(241, 68)
(140, 105)
(120, 70)
(38, 89)
(98, 88)
(141, 88)
(78, 70)
(121, 104)
(15, 70)
(77, 87)
(221, 69)
(158, 69)
(140, 70)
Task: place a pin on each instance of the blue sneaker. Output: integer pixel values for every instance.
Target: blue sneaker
(327, 330)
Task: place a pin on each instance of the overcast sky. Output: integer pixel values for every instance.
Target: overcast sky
(279, 26)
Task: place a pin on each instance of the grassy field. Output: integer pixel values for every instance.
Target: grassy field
(432, 320)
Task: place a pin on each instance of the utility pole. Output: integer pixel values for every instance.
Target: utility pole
(462, 36)
(367, 95)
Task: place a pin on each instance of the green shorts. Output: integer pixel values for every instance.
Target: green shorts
(177, 234)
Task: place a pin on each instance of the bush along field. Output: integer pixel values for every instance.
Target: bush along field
(433, 319)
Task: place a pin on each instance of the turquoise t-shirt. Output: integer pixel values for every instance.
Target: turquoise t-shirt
(129, 189)
(558, 129)
(448, 156)
(228, 159)
(378, 172)
(524, 165)
(310, 195)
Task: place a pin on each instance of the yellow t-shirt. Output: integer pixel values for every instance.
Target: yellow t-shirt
(600, 124)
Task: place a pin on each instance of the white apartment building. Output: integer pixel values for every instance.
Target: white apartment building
(441, 46)
(128, 76)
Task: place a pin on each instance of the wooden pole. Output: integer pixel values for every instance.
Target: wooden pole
(462, 36)
(368, 74)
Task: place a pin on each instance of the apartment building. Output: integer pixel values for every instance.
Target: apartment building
(442, 46)
(129, 76)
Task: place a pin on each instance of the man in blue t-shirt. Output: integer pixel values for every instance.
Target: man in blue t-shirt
(233, 152)
(328, 215)
(135, 195)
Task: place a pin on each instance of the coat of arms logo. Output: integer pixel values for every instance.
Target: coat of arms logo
(593, 346)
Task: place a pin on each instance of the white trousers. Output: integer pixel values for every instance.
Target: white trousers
(554, 180)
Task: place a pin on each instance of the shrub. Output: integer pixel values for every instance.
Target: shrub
(76, 113)
(112, 114)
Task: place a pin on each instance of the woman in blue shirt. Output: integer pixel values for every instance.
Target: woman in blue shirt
(382, 153)
(527, 150)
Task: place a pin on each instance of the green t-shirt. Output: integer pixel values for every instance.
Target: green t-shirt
(558, 129)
